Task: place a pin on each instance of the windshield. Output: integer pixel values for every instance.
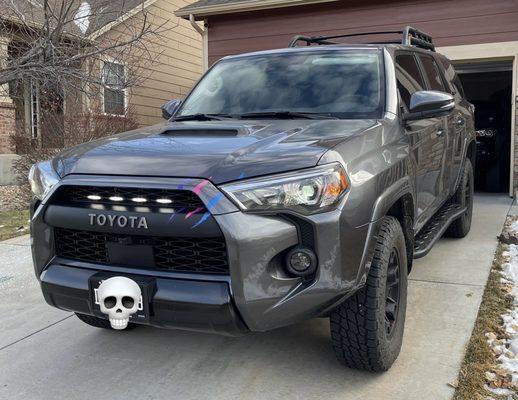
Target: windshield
(343, 84)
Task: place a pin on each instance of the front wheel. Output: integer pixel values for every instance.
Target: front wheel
(367, 329)
(464, 197)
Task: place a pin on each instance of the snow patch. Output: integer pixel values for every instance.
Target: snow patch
(498, 391)
(82, 16)
(507, 349)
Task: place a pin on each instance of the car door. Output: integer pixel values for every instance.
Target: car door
(460, 120)
(427, 139)
(435, 81)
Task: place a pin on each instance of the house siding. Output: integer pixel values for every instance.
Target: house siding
(515, 161)
(177, 62)
(449, 22)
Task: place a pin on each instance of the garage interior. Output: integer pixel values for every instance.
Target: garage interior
(489, 87)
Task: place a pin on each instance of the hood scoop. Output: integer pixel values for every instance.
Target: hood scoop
(202, 131)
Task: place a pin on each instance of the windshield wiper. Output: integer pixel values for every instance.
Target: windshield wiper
(203, 117)
(286, 115)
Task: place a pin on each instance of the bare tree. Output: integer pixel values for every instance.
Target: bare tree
(62, 46)
(60, 42)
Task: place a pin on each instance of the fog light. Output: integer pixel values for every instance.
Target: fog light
(301, 261)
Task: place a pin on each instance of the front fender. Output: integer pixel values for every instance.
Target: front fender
(391, 195)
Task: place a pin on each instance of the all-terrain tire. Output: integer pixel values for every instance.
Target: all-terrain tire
(361, 335)
(100, 322)
(463, 196)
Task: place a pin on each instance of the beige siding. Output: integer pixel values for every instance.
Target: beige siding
(177, 62)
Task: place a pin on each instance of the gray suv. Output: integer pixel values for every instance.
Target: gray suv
(290, 184)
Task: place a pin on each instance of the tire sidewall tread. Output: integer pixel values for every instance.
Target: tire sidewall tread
(357, 325)
(462, 225)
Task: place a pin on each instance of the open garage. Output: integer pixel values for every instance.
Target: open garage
(488, 86)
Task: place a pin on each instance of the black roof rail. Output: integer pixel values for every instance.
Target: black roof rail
(410, 37)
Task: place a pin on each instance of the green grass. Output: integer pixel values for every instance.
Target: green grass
(13, 223)
(479, 357)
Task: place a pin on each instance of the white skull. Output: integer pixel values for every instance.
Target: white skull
(119, 298)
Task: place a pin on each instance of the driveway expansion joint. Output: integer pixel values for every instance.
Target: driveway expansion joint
(448, 283)
(35, 332)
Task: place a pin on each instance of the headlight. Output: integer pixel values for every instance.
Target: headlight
(42, 178)
(309, 191)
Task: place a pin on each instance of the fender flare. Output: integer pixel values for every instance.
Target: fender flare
(384, 202)
(465, 147)
(390, 196)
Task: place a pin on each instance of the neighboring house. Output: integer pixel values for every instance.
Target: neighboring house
(480, 36)
(177, 68)
(177, 64)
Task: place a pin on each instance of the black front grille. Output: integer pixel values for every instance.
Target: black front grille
(86, 195)
(194, 255)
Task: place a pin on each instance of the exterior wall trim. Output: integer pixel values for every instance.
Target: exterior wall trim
(242, 6)
(204, 32)
(491, 52)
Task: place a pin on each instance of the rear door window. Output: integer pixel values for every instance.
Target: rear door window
(409, 78)
(458, 86)
(431, 70)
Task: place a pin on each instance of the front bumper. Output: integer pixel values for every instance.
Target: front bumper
(175, 303)
(257, 295)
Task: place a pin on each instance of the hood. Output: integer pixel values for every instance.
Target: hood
(220, 151)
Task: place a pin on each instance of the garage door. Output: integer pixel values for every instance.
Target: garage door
(477, 67)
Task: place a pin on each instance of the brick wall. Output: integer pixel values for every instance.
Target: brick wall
(7, 127)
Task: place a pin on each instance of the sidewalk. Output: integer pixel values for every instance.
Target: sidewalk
(49, 354)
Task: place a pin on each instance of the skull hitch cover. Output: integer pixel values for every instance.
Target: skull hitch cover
(119, 298)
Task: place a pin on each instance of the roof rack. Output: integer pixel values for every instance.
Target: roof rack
(410, 37)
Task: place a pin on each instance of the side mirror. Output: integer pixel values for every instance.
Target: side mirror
(429, 104)
(169, 108)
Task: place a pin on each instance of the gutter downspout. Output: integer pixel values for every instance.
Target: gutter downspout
(204, 32)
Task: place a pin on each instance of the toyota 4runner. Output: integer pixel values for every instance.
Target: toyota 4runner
(290, 184)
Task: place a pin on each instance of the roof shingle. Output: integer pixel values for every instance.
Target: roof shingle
(98, 14)
(213, 7)
(205, 3)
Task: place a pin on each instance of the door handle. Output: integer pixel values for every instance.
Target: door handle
(440, 132)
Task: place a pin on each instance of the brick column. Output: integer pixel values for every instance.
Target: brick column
(7, 114)
(7, 127)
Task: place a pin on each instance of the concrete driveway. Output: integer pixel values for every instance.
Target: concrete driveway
(49, 354)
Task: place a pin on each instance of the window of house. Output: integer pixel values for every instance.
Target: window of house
(114, 97)
(432, 73)
(409, 78)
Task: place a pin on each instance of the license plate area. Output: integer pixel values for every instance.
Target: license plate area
(147, 288)
(127, 253)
